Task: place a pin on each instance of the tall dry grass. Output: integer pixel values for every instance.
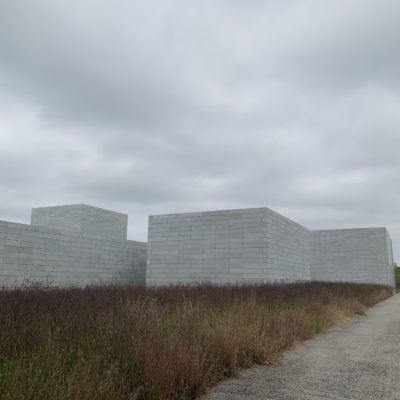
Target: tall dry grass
(157, 343)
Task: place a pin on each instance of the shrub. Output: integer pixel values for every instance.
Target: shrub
(397, 276)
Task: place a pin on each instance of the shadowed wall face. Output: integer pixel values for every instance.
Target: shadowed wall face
(250, 245)
(352, 255)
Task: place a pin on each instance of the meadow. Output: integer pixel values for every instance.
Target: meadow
(127, 342)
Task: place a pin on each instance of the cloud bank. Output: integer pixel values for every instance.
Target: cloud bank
(170, 106)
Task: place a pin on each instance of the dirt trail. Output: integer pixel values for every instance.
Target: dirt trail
(357, 361)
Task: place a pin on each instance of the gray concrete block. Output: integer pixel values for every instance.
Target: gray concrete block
(236, 238)
(81, 244)
(353, 255)
(71, 253)
(90, 222)
(262, 246)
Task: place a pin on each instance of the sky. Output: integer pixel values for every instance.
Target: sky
(153, 107)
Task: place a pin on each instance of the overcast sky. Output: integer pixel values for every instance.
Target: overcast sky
(152, 107)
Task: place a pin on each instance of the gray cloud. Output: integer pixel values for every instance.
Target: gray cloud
(153, 107)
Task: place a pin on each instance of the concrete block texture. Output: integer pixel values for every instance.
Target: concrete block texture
(80, 244)
(352, 255)
(87, 220)
(249, 245)
(74, 253)
(260, 245)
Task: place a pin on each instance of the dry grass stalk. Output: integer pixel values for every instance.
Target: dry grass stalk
(129, 342)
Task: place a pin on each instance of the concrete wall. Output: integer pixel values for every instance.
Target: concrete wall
(288, 249)
(93, 221)
(64, 257)
(260, 245)
(249, 245)
(352, 255)
(80, 244)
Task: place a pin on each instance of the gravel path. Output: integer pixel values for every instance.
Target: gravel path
(357, 361)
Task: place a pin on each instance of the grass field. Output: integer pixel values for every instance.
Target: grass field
(157, 343)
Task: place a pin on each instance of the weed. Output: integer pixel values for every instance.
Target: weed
(127, 342)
